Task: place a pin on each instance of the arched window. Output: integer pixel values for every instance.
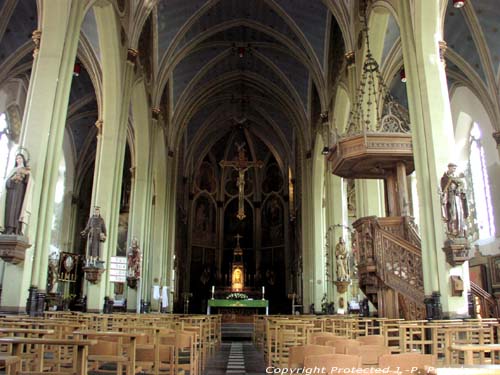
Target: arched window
(481, 207)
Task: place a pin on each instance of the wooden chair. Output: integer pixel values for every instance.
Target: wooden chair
(332, 362)
(106, 357)
(343, 345)
(322, 337)
(298, 353)
(369, 354)
(372, 340)
(7, 362)
(407, 362)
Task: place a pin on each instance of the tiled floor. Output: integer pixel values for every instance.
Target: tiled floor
(236, 358)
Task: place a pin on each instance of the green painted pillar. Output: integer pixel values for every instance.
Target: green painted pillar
(433, 142)
(42, 135)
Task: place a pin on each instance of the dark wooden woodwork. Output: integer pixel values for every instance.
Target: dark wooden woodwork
(372, 155)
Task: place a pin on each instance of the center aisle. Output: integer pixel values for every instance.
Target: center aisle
(236, 358)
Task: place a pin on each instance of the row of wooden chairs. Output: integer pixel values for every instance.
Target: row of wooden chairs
(161, 344)
(276, 334)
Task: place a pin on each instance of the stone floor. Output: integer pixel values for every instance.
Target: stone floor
(236, 358)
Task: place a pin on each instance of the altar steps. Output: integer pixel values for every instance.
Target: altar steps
(236, 331)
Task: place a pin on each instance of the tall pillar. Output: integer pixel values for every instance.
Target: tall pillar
(159, 222)
(42, 135)
(141, 183)
(370, 198)
(308, 253)
(108, 171)
(432, 133)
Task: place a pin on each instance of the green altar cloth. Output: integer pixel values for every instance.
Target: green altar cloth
(238, 303)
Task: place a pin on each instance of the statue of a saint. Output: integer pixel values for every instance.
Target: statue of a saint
(16, 197)
(341, 257)
(134, 260)
(454, 202)
(96, 232)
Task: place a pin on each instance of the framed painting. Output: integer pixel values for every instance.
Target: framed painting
(495, 271)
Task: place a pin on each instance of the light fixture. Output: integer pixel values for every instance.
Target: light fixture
(402, 75)
(77, 69)
(458, 3)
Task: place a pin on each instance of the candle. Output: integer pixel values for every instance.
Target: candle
(213, 288)
(263, 289)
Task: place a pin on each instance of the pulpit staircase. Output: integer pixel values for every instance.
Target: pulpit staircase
(390, 265)
(485, 305)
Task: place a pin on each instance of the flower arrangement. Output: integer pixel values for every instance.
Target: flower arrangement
(237, 296)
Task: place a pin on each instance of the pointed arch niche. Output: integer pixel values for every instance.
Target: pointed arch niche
(212, 225)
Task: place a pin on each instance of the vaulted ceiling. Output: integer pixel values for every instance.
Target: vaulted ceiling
(262, 64)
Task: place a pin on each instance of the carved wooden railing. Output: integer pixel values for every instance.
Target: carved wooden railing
(391, 256)
(488, 305)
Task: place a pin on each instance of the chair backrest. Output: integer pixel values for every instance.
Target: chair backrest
(104, 347)
(371, 340)
(319, 338)
(298, 353)
(344, 345)
(332, 362)
(407, 361)
(369, 353)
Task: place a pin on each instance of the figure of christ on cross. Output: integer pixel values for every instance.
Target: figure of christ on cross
(241, 164)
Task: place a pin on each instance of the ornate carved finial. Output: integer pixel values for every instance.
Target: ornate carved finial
(132, 55)
(496, 137)
(99, 124)
(350, 58)
(36, 36)
(442, 50)
(156, 113)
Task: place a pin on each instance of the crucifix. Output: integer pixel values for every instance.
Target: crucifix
(241, 164)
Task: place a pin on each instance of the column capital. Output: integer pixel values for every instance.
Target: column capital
(350, 58)
(132, 54)
(36, 36)
(99, 124)
(496, 137)
(443, 46)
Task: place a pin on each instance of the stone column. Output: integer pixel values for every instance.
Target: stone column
(42, 135)
(433, 145)
(308, 252)
(117, 88)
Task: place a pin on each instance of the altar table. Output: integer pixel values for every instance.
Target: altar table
(238, 303)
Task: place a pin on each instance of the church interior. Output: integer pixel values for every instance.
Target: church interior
(249, 186)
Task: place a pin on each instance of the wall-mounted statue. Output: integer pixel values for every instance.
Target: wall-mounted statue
(454, 202)
(16, 199)
(134, 260)
(96, 232)
(341, 258)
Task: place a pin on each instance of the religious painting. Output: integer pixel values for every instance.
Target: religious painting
(68, 266)
(273, 181)
(205, 180)
(272, 220)
(495, 271)
(204, 221)
(122, 234)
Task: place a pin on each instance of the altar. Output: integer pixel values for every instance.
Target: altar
(238, 304)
